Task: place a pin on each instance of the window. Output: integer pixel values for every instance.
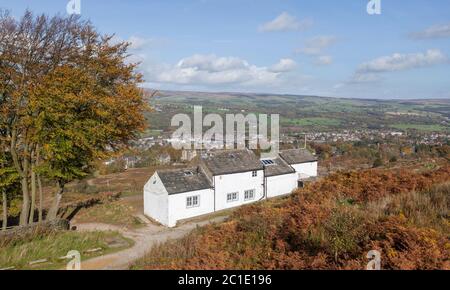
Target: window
(188, 173)
(232, 197)
(254, 173)
(249, 194)
(267, 162)
(193, 201)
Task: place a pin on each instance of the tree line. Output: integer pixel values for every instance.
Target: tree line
(68, 97)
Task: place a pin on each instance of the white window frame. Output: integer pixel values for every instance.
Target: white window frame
(234, 196)
(190, 201)
(255, 173)
(249, 194)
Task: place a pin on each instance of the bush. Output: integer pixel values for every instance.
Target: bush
(429, 208)
(330, 224)
(344, 232)
(378, 163)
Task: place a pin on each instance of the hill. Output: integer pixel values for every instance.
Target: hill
(310, 113)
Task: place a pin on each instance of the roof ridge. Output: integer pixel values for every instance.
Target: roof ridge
(175, 169)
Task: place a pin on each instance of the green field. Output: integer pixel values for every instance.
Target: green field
(322, 122)
(419, 127)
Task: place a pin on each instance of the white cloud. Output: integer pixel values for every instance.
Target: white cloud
(360, 78)
(207, 70)
(436, 31)
(285, 22)
(212, 63)
(284, 65)
(324, 60)
(316, 45)
(137, 43)
(338, 86)
(398, 62)
(371, 71)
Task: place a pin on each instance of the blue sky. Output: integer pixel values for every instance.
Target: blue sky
(330, 48)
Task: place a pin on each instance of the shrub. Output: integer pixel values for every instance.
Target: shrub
(344, 231)
(330, 224)
(378, 163)
(429, 208)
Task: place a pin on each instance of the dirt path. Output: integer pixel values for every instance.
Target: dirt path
(144, 239)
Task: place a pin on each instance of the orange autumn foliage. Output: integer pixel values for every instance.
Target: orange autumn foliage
(330, 224)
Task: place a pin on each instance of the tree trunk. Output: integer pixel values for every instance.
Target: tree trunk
(5, 210)
(4, 202)
(53, 212)
(22, 169)
(25, 202)
(41, 197)
(25, 213)
(33, 194)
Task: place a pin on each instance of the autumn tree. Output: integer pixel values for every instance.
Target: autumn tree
(70, 99)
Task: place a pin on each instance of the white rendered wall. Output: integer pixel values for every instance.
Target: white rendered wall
(168, 209)
(309, 169)
(156, 200)
(178, 209)
(281, 184)
(238, 182)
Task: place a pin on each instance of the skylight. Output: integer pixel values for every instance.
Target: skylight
(267, 162)
(188, 173)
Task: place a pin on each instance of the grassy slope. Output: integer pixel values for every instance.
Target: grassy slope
(55, 245)
(331, 224)
(114, 213)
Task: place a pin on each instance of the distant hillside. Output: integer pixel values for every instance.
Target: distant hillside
(331, 224)
(313, 113)
(237, 98)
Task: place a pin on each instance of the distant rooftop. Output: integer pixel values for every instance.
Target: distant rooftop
(231, 161)
(276, 167)
(183, 180)
(296, 156)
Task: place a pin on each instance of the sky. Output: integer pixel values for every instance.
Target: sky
(307, 47)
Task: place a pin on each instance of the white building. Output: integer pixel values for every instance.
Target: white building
(164, 159)
(222, 180)
(304, 163)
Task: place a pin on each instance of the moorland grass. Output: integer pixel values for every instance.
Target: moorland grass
(52, 246)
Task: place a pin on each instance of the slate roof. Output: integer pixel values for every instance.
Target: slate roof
(181, 180)
(231, 161)
(279, 167)
(297, 156)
